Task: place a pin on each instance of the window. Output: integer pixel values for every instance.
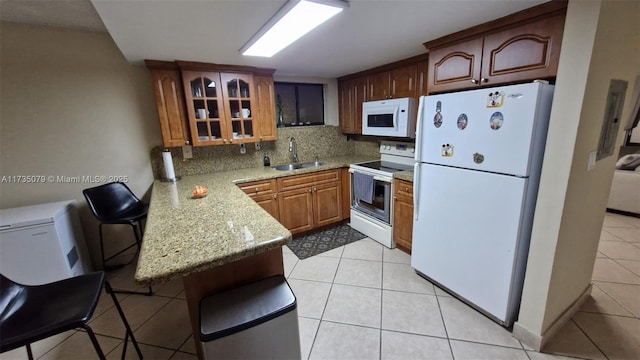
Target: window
(299, 104)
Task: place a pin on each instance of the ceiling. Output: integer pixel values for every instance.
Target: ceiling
(368, 33)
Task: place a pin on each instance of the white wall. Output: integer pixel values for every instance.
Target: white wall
(601, 42)
(70, 105)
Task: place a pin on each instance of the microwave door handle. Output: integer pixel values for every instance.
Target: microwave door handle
(418, 149)
(416, 189)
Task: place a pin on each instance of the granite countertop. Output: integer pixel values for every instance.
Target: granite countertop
(404, 175)
(184, 235)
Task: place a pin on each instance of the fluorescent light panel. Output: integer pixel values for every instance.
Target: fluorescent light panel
(292, 21)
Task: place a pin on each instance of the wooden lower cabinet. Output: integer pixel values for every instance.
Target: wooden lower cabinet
(296, 209)
(346, 193)
(269, 203)
(310, 200)
(265, 193)
(403, 215)
(302, 202)
(327, 204)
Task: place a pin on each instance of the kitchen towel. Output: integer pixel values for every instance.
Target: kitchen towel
(363, 187)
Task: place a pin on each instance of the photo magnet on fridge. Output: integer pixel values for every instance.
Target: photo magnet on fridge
(462, 121)
(495, 99)
(437, 119)
(496, 120)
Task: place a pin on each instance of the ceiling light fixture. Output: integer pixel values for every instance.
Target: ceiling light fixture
(291, 22)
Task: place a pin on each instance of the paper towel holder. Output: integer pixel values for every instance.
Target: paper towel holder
(169, 173)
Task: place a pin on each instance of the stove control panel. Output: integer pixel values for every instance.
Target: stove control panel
(397, 148)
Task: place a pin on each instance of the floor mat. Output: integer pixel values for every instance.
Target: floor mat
(308, 245)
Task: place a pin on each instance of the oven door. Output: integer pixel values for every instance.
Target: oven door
(380, 207)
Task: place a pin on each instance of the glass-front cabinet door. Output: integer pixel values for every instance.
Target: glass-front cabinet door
(238, 94)
(204, 107)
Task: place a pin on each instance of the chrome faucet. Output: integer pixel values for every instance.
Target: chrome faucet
(293, 147)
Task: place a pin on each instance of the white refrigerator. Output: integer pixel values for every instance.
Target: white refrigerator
(478, 159)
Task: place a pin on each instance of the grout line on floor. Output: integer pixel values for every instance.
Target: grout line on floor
(588, 337)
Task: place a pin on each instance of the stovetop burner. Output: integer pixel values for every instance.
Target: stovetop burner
(385, 166)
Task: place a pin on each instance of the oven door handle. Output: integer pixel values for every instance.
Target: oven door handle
(375, 177)
(416, 189)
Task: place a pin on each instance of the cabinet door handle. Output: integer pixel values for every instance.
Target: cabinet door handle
(484, 80)
(309, 189)
(224, 141)
(275, 196)
(474, 81)
(186, 142)
(257, 190)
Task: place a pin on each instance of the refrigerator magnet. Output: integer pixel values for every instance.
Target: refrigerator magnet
(478, 158)
(462, 121)
(437, 118)
(495, 99)
(447, 150)
(496, 120)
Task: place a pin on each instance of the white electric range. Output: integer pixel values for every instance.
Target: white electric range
(374, 218)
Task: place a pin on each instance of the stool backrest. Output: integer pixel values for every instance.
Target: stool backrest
(109, 200)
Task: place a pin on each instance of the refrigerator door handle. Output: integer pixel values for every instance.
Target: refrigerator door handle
(416, 189)
(418, 148)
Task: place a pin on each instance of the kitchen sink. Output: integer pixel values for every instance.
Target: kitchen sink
(288, 167)
(313, 164)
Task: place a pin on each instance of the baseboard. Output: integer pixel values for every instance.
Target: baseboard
(536, 341)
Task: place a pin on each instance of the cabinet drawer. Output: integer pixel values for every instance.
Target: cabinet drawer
(305, 180)
(404, 188)
(259, 187)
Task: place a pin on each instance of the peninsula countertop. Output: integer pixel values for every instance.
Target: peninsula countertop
(184, 235)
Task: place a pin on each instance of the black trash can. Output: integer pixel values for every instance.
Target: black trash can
(254, 321)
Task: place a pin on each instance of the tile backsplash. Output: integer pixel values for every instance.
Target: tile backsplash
(322, 141)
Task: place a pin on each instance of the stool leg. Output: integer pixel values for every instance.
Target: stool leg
(104, 266)
(129, 332)
(29, 353)
(94, 341)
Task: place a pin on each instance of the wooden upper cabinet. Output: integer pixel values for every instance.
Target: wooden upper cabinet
(422, 79)
(520, 47)
(379, 86)
(239, 105)
(351, 94)
(456, 66)
(403, 81)
(530, 51)
(167, 88)
(346, 106)
(212, 104)
(205, 107)
(266, 111)
(359, 96)
(395, 83)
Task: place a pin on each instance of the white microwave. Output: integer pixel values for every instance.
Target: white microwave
(391, 117)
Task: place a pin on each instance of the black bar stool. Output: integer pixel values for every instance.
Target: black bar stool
(32, 313)
(115, 203)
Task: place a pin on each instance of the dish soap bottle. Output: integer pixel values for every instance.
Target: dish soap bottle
(266, 160)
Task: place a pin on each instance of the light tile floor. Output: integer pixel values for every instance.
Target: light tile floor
(364, 301)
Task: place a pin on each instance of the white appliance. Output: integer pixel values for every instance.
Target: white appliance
(391, 117)
(478, 160)
(43, 243)
(374, 218)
